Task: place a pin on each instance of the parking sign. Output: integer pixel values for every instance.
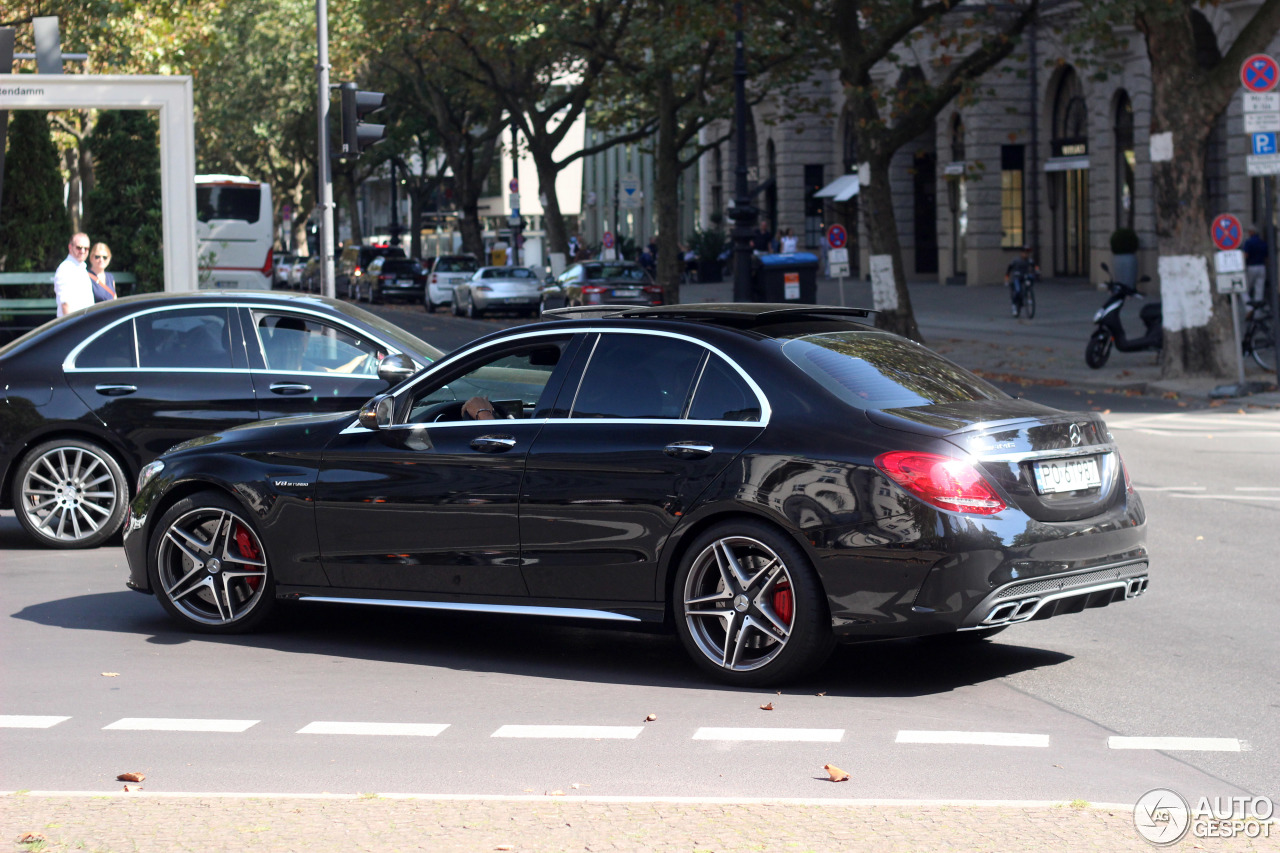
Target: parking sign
(1264, 143)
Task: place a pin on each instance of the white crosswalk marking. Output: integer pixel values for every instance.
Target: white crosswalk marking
(1197, 744)
(976, 738)
(17, 721)
(170, 724)
(588, 732)
(411, 729)
(814, 735)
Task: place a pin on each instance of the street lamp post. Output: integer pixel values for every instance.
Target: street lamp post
(322, 146)
(743, 213)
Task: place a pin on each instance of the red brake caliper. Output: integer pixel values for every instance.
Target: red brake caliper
(248, 550)
(782, 603)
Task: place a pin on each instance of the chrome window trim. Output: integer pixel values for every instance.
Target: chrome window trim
(766, 411)
(69, 366)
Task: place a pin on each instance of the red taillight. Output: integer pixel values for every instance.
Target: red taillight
(592, 293)
(269, 266)
(435, 279)
(593, 288)
(1128, 483)
(941, 481)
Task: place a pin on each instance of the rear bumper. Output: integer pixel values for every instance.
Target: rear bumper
(1043, 598)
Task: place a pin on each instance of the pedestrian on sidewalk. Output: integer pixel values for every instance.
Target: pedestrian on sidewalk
(1016, 276)
(104, 283)
(72, 286)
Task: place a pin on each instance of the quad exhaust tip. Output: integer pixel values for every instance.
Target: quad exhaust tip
(1023, 609)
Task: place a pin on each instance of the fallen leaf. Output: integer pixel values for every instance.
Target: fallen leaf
(556, 793)
(823, 693)
(836, 774)
(576, 785)
(130, 777)
(767, 706)
(129, 789)
(111, 674)
(651, 718)
(1198, 538)
(31, 838)
(505, 847)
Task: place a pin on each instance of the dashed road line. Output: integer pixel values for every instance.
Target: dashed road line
(579, 732)
(788, 735)
(1190, 744)
(171, 724)
(19, 721)
(402, 729)
(974, 738)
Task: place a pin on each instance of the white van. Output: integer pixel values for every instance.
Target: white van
(234, 232)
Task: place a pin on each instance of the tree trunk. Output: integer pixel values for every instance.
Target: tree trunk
(888, 278)
(552, 218)
(667, 194)
(1198, 338)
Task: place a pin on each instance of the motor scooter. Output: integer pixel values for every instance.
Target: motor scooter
(1109, 331)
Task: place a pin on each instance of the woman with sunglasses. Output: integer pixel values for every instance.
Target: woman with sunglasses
(104, 283)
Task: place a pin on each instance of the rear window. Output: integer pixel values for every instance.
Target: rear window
(456, 265)
(242, 203)
(400, 265)
(617, 271)
(876, 370)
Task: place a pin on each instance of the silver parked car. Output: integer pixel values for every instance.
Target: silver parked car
(446, 272)
(498, 289)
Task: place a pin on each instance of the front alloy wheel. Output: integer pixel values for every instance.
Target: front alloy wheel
(750, 609)
(209, 568)
(70, 494)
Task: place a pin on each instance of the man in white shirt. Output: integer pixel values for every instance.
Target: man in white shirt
(72, 287)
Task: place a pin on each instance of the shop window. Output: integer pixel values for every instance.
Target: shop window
(1012, 201)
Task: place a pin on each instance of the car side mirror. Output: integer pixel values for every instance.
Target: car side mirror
(396, 368)
(378, 412)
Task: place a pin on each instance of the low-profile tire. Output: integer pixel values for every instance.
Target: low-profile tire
(1098, 350)
(473, 313)
(429, 305)
(456, 306)
(70, 493)
(748, 606)
(208, 566)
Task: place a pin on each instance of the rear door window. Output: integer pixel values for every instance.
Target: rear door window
(638, 376)
(184, 338)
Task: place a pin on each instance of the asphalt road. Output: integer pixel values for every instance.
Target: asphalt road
(362, 700)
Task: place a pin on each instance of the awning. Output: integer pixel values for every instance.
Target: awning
(1066, 164)
(842, 188)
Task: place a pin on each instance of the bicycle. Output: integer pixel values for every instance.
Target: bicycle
(1259, 340)
(1022, 293)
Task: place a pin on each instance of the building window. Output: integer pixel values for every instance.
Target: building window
(1126, 159)
(1012, 182)
(813, 182)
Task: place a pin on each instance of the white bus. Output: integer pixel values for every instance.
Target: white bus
(234, 232)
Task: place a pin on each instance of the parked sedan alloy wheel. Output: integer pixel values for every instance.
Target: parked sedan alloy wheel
(70, 494)
(209, 567)
(751, 610)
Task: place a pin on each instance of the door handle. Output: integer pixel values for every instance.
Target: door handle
(289, 388)
(689, 450)
(493, 443)
(115, 390)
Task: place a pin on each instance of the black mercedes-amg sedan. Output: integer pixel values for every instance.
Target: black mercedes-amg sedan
(765, 479)
(88, 399)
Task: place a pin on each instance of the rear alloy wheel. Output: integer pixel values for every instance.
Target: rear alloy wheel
(749, 608)
(1098, 350)
(208, 566)
(70, 494)
(473, 313)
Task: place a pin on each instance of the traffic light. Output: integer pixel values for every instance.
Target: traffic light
(356, 134)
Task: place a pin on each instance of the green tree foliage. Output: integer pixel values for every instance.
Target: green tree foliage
(123, 209)
(34, 226)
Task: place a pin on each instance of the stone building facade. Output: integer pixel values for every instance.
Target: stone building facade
(1053, 155)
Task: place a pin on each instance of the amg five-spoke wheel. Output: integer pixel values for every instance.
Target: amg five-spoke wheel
(70, 494)
(209, 568)
(750, 609)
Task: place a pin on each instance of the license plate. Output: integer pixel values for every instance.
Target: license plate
(404, 282)
(1066, 475)
(626, 292)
